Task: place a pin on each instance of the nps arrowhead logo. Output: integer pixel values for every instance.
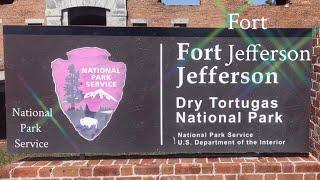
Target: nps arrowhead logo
(89, 87)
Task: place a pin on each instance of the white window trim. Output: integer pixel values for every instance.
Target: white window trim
(139, 21)
(179, 21)
(34, 21)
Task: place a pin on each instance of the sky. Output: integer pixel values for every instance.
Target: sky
(197, 2)
(258, 2)
(181, 2)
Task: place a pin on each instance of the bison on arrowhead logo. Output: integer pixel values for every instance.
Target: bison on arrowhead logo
(89, 87)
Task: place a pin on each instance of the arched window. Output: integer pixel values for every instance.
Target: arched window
(87, 16)
(6, 1)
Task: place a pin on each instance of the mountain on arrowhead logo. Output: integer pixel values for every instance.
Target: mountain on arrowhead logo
(89, 87)
(102, 94)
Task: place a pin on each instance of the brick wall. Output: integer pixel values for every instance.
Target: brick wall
(264, 168)
(16, 13)
(300, 14)
(315, 100)
(160, 15)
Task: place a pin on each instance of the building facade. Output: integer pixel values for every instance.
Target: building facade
(151, 13)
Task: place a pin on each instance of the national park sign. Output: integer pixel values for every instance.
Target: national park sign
(157, 90)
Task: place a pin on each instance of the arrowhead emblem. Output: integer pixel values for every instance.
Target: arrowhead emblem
(89, 87)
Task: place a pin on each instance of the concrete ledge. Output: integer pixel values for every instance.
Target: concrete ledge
(173, 168)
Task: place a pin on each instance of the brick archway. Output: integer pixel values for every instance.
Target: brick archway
(57, 10)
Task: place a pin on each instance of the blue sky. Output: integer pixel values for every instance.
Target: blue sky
(259, 2)
(197, 2)
(181, 2)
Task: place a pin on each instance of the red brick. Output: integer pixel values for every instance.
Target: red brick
(134, 161)
(282, 159)
(128, 178)
(230, 177)
(186, 160)
(93, 162)
(187, 168)
(201, 160)
(309, 176)
(120, 161)
(126, 170)
(170, 178)
(41, 163)
(45, 171)
(28, 163)
(238, 160)
(271, 159)
(268, 167)
(107, 162)
(250, 177)
(111, 170)
(211, 177)
(25, 172)
(213, 160)
(147, 161)
(79, 163)
(85, 171)
(146, 169)
(108, 178)
(316, 68)
(55, 163)
(287, 167)
(149, 178)
(247, 167)
(160, 161)
(207, 168)
(270, 177)
(5, 171)
(225, 159)
(227, 167)
(173, 160)
(167, 168)
(290, 176)
(194, 177)
(307, 167)
(67, 171)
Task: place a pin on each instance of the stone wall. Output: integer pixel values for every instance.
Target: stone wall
(116, 11)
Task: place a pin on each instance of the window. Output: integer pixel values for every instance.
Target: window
(87, 16)
(282, 2)
(181, 2)
(35, 22)
(179, 22)
(139, 22)
(6, 2)
(179, 25)
(268, 2)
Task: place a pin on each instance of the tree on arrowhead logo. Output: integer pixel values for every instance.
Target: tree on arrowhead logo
(89, 87)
